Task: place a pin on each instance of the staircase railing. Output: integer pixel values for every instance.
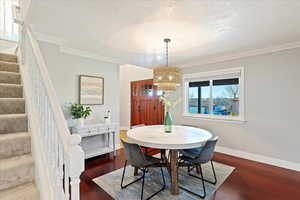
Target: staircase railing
(58, 155)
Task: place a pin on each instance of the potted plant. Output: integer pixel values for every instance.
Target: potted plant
(79, 113)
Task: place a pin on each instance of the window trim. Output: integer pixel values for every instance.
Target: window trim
(209, 75)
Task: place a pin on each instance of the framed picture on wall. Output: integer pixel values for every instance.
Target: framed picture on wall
(91, 90)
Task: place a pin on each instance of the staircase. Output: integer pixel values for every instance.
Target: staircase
(16, 163)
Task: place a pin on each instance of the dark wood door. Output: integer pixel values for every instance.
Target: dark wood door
(146, 107)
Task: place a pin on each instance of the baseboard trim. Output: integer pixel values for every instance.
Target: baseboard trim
(259, 158)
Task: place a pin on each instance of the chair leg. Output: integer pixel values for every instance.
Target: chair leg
(162, 188)
(208, 181)
(188, 169)
(163, 177)
(214, 172)
(144, 170)
(124, 186)
(136, 171)
(203, 185)
(143, 183)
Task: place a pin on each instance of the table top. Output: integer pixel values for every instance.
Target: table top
(182, 137)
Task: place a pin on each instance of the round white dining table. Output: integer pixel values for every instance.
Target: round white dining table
(181, 137)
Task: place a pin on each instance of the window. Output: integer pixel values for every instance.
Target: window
(8, 29)
(215, 95)
(199, 93)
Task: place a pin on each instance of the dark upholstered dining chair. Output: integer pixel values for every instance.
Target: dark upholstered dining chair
(136, 158)
(194, 158)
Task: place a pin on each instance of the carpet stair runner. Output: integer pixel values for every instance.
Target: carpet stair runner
(16, 162)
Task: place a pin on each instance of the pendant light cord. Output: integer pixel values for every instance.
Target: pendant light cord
(167, 54)
(167, 40)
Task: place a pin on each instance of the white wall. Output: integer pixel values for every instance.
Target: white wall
(64, 70)
(129, 73)
(7, 46)
(272, 104)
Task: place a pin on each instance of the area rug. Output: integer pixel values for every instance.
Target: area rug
(111, 183)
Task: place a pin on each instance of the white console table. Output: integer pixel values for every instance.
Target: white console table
(97, 139)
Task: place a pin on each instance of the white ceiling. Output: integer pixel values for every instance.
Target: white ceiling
(131, 31)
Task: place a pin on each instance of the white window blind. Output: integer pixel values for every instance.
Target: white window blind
(8, 29)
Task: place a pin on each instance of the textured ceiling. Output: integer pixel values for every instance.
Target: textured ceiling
(132, 31)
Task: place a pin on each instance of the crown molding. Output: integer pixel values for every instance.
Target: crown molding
(255, 52)
(72, 51)
(48, 38)
(226, 57)
(87, 54)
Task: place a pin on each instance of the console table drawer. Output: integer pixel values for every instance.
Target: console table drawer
(102, 130)
(97, 139)
(86, 130)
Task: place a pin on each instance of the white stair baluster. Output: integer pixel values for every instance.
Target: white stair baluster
(61, 152)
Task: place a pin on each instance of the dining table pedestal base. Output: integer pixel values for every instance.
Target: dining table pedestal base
(174, 171)
(136, 171)
(172, 167)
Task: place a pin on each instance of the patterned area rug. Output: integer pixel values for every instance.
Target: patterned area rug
(153, 182)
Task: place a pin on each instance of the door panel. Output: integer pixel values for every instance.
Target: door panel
(135, 112)
(146, 107)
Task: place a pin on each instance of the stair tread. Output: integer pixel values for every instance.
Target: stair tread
(11, 136)
(8, 57)
(9, 67)
(26, 191)
(14, 144)
(10, 73)
(9, 63)
(8, 54)
(12, 106)
(11, 85)
(8, 90)
(16, 161)
(13, 115)
(12, 99)
(12, 123)
(10, 77)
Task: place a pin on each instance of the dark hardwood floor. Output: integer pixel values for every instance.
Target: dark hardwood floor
(249, 181)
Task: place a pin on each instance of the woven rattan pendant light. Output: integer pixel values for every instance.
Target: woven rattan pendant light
(167, 78)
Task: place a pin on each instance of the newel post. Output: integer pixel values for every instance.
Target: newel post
(76, 165)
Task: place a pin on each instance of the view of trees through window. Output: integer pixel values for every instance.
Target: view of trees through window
(218, 97)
